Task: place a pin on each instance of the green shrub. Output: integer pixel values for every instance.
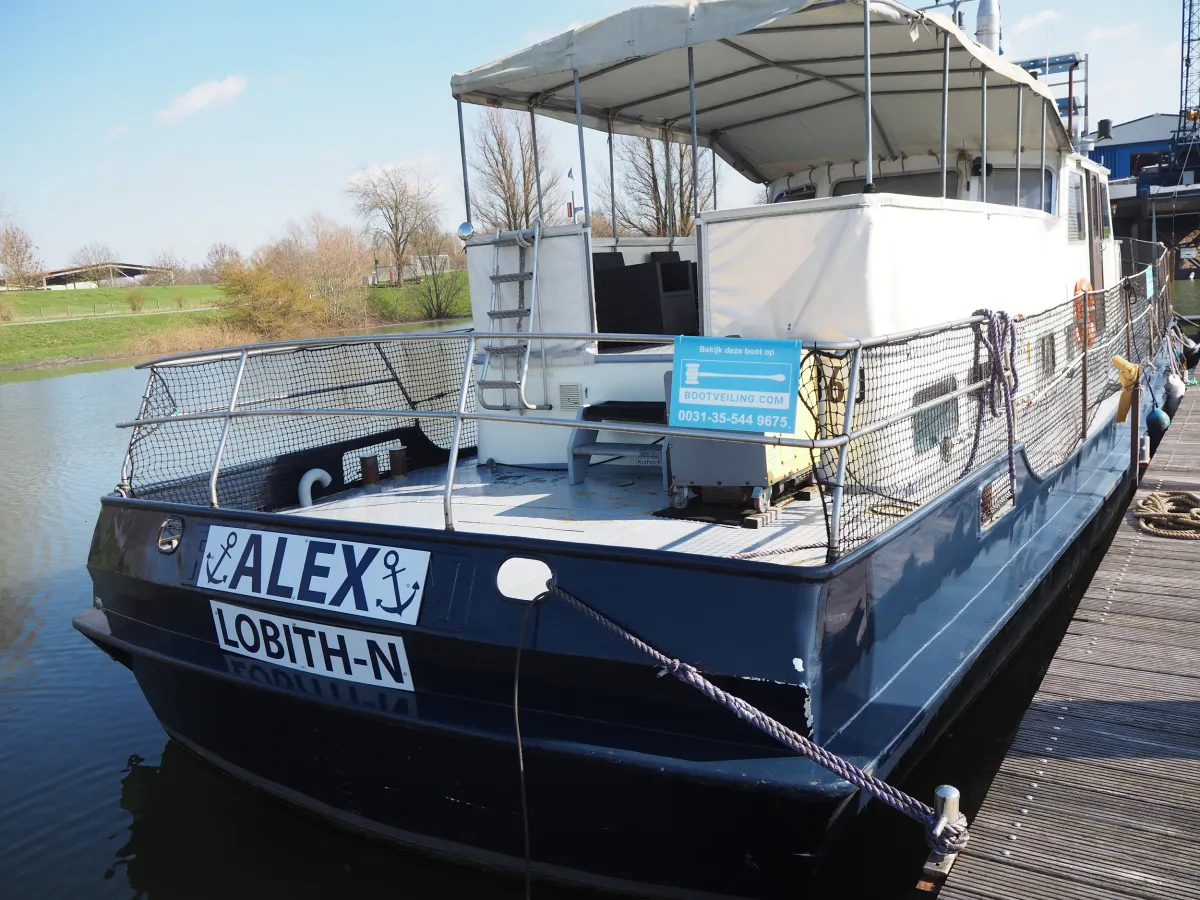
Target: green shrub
(6, 311)
(266, 303)
(180, 301)
(137, 300)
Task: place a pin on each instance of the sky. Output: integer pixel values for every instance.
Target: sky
(167, 126)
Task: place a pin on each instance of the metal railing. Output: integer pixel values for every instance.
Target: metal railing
(843, 431)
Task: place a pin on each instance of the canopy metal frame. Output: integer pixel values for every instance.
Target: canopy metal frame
(549, 101)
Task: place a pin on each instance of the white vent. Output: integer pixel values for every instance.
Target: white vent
(569, 396)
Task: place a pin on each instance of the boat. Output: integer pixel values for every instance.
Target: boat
(838, 452)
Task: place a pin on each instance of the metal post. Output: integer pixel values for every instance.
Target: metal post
(983, 141)
(587, 206)
(587, 209)
(1087, 296)
(612, 181)
(1020, 138)
(233, 396)
(670, 204)
(1135, 416)
(1153, 220)
(692, 108)
(945, 106)
(835, 507)
(462, 149)
(452, 462)
(1087, 77)
(947, 807)
(869, 185)
(1042, 172)
(537, 169)
(712, 149)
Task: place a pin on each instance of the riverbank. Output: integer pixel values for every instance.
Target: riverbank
(129, 334)
(136, 337)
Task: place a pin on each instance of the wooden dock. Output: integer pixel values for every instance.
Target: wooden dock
(1099, 795)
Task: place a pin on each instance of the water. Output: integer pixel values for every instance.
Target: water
(97, 802)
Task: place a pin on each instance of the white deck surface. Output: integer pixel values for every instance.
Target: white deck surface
(611, 508)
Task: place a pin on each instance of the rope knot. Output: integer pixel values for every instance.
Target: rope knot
(947, 837)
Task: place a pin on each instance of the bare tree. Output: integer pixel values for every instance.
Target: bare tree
(644, 204)
(329, 259)
(441, 289)
(94, 262)
(173, 269)
(505, 185)
(397, 202)
(219, 256)
(18, 258)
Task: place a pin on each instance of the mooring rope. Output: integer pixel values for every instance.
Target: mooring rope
(943, 836)
(1000, 341)
(1170, 514)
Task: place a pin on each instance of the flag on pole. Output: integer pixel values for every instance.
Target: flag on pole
(571, 174)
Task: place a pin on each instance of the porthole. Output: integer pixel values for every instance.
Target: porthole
(170, 533)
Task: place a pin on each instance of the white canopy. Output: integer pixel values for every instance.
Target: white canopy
(778, 85)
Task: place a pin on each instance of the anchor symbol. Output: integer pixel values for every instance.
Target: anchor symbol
(227, 548)
(391, 561)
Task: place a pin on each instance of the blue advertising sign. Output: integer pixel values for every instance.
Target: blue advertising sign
(1150, 282)
(735, 384)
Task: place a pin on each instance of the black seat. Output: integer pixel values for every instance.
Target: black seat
(612, 259)
(665, 256)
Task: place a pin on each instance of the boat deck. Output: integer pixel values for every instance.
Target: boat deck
(1099, 795)
(611, 508)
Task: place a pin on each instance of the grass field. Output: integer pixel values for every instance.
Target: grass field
(89, 338)
(123, 333)
(27, 305)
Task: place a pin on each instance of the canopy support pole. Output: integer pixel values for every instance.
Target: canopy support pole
(712, 151)
(1020, 136)
(983, 142)
(869, 185)
(670, 187)
(587, 206)
(612, 182)
(695, 164)
(462, 149)
(1042, 173)
(537, 169)
(945, 107)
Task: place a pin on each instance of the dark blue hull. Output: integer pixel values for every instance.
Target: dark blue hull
(634, 781)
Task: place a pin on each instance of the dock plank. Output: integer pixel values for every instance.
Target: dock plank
(1099, 794)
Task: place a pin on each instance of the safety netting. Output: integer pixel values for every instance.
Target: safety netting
(353, 396)
(929, 410)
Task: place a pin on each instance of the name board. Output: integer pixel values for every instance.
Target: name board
(735, 384)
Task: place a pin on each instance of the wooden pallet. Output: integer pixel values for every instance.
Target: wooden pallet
(1099, 795)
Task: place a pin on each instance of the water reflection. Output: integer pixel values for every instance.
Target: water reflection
(195, 833)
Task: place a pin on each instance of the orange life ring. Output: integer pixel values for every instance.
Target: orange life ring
(1083, 288)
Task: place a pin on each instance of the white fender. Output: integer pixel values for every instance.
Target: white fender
(306, 483)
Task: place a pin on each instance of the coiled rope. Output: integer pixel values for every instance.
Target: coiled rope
(1170, 514)
(942, 836)
(1000, 339)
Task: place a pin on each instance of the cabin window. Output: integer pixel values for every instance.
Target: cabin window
(915, 184)
(804, 192)
(1076, 208)
(1002, 187)
(1046, 354)
(937, 422)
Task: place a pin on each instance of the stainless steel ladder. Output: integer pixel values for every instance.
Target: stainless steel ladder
(522, 317)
